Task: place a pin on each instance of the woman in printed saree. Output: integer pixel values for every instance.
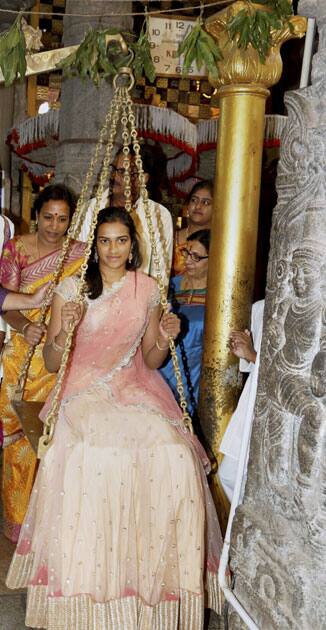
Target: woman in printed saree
(27, 264)
(121, 530)
(187, 295)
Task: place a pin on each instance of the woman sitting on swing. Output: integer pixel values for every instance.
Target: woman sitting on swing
(121, 530)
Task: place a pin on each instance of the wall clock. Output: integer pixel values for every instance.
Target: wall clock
(165, 34)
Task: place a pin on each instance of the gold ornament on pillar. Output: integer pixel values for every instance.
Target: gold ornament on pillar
(242, 88)
(243, 65)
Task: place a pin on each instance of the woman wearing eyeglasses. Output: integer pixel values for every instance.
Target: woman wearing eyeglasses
(187, 295)
(199, 214)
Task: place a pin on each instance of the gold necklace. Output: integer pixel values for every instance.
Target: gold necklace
(37, 247)
(192, 289)
(108, 285)
(38, 252)
(189, 288)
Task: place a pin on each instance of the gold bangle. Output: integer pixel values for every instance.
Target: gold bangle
(56, 346)
(160, 347)
(25, 326)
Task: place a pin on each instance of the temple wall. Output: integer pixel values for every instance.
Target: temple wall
(278, 546)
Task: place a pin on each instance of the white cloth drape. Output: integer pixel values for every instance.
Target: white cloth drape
(232, 439)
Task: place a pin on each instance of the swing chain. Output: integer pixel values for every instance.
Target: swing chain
(51, 418)
(72, 232)
(158, 275)
(121, 106)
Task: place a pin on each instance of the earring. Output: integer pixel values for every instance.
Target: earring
(130, 257)
(96, 255)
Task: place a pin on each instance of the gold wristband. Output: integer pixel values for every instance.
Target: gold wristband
(56, 346)
(25, 326)
(160, 347)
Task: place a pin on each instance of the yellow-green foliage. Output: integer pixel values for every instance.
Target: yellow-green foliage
(97, 60)
(253, 26)
(94, 59)
(200, 47)
(12, 52)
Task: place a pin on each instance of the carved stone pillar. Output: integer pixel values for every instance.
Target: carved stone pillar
(242, 84)
(83, 105)
(278, 545)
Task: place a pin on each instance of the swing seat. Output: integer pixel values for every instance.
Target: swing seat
(38, 434)
(28, 415)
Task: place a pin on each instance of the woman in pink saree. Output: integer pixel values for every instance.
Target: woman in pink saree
(121, 531)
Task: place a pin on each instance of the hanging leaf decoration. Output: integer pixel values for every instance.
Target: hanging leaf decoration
(97, 60)
(143, 63)
(254, 26)
(201, 48)
(12, 52)
(282, 8)
(93, 59)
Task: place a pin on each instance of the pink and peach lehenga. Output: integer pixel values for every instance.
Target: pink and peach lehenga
(121, 532)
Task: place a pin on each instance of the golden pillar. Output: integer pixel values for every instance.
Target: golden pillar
(243, 88)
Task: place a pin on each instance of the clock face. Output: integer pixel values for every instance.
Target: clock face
(165, 34)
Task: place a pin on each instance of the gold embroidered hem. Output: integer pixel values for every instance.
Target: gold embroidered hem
(19, 571)
(81, 612)
(215, 597)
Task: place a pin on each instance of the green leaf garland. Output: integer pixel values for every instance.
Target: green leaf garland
(201, 48)
(254, 26)
(95, 60)
(143, 63)
(12, 52)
